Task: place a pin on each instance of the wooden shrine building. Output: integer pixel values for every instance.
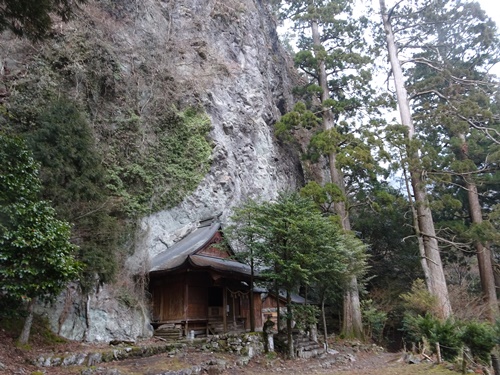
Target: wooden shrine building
(198, 287)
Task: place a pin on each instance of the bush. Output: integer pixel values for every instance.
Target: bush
(373, 320)
(419, 301)
(452, 335)
(480, 338)
(420, 328)
(305, 316)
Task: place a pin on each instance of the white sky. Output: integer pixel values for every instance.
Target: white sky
(492, 9)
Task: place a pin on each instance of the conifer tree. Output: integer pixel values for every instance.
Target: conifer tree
(334, 60)
(295, 244)
(455, 97)
(443, 103)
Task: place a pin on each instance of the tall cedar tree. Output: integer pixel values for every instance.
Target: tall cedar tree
(425, 224)
(336, 94)
(455, 97)
(453, 101)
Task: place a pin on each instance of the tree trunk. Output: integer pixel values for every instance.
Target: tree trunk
(291, 352)
(417, 176)
(421, 248)
(323, 315)
(353, 325)
(250, 294)
(25, 334)
(87, 317)
(278, 312)
(483, 251)
(495, 363)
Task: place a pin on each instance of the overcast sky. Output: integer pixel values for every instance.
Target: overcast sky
(492, 9)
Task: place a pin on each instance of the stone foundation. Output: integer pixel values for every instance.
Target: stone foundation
(244, 344)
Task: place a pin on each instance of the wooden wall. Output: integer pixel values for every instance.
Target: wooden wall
(184, 296)
(168, 298)
(180, 297)
(213, 250)
(198, 284)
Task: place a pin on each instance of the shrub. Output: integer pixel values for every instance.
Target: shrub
(480, 338)
(419, 301)
(305, 316)
(427, 327)
(373, 320)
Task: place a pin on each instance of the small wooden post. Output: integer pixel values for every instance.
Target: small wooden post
(438, 352)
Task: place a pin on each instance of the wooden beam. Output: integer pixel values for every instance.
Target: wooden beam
(186, 305)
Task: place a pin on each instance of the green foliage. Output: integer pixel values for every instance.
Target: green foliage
(75, 179)
(382, 218)
(33, 19)
(333, 100)
(446, 333)
(62, 141)
(419, 301)
(285, 237)
(455, 112)
(170, 169)
(373, 320)
(420, 322)
(102, 194)
(299, 117)
(480, 338)
(323, 196)
(305, 316)
(36, 256)
(452, 335)
(294, 244)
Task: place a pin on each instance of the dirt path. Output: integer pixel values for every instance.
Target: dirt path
(346, 360)
(363, 363)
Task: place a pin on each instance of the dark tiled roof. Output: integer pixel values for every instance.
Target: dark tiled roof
(219, 264)
(176, 255)
(185, 251)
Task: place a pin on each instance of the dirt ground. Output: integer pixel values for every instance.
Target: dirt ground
(346, 360)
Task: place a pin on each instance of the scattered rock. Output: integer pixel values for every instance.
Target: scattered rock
(121, 342)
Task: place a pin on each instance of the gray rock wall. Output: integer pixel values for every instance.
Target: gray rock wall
(223, 55)
(246, 87)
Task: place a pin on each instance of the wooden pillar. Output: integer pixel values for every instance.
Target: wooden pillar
(224, 308)
(234, 310)
(186, 306)
(161, 315)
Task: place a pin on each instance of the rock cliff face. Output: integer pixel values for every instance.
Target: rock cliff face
(221, 55)
(232, 51)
